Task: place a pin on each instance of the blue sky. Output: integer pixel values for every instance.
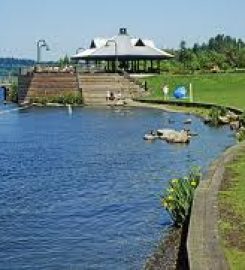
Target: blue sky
(69, 24)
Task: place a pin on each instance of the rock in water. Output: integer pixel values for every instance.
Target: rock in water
(188, 121)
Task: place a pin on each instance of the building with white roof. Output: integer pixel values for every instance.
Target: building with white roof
(123, 52)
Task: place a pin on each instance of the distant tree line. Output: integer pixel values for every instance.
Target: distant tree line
(15, 62)
(219, 53)
(10, 65)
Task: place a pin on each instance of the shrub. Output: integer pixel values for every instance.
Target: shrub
(13, 92)
(215, 113)
(214, 116)
(70, 99)
(178, 197)
(62, 99)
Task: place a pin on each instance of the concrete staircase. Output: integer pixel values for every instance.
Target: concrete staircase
(41, 85)
(94, 87)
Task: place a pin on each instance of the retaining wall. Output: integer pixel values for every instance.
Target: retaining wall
(203, 243)
(188, 104)
(40, 85)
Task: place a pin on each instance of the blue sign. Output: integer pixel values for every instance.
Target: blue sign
(2, 93)
(180, 92)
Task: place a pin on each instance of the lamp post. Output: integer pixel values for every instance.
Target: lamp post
(116, 52)
(41, 44)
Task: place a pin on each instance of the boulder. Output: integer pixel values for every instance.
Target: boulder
(234, 125)
(165, 133)
(224, 120)
(188, 121)
(206, 120)
(173, 136)
(232, 116)
(179, 137)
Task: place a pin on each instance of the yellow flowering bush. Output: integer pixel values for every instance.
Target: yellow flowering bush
(178, 197)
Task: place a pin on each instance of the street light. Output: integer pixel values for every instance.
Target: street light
(41, 44)
(116, 52)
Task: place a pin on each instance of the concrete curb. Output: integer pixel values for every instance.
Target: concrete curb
(203, 242)
(188, 104)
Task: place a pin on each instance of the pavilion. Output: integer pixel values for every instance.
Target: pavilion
(122, 52)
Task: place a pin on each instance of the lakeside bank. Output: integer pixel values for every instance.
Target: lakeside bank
(204, 243)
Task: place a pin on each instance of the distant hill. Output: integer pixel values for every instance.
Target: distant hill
(10, 66)
(13, 62)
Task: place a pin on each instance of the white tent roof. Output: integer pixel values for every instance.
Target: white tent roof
(122, 46)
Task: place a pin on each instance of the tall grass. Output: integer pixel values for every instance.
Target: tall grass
(178, 197)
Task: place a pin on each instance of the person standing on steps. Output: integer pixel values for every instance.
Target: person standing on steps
(108, 94)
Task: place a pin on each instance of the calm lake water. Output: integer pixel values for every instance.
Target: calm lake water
(82, 191)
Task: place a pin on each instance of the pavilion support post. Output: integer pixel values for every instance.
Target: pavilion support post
(113, 66)
(158, 66)
(86, 64)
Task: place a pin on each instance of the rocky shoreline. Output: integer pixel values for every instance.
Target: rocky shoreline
(172, 251)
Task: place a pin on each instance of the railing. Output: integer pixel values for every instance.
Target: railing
(135, 81)
(47, 68)
(91, 68)
(54, 68)
(26, 71)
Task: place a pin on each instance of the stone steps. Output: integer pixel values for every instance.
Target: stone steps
(46, 85)
(111, 89)
(49, 92)
(103, 95)
(95, 87)
(54, 75)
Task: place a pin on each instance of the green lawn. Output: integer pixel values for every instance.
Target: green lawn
(232, 204)
(225, 89)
